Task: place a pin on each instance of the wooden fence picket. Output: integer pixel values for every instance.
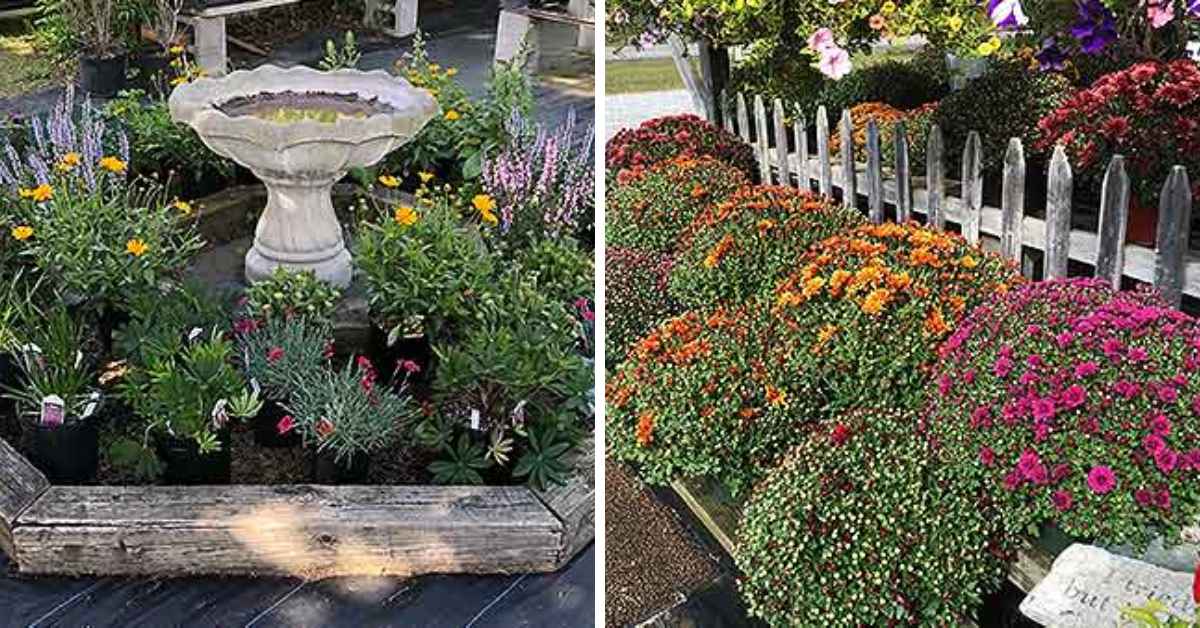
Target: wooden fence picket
(760, 139)
(726, 114)
(849, 180)
(1174, 220)
(743, 118)
(972, 187)
(874, 173)
(903, 175)
(1114, 216)
(800, 134)
(781, 145)
(1058, 215)
(935, 179)
(1012, 201)
(826, 166)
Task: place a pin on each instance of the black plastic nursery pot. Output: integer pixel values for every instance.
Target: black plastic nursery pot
(10, 373)
(67, 453)
(266, 427)
(416, 348)
(184, 465)
(327, 469)
(102, 76)
(153, 71)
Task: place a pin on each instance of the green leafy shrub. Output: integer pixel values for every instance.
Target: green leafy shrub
(648, 208)
(161, 321)
(1072, 404)
(563, 271)
(1005, 102)
(860, 526)
(766, 70)
(903, 84)
(424, 270)
(635, 287)
(343, 411)
(740, 247)
(917, 125)
(288, 293)
(681, 137)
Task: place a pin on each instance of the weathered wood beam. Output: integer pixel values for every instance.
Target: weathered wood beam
(20, 485)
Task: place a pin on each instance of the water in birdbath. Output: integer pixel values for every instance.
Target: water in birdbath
(290, 106)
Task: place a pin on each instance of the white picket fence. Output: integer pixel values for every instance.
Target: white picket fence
(1171, 267)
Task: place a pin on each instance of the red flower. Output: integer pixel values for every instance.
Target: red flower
(328, 351)
(325, 427)
(245, 325)
(274, 354)
(1062, 500)
(285, 425)
(409, 366)
(840, 434)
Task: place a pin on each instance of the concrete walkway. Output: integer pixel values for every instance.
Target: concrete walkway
(624, 111)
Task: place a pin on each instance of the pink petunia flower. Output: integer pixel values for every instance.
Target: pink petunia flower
(835, 63)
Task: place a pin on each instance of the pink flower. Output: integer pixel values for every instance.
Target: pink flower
(274, 354)
(324, 428)
(821, 40)
(1160, 12)
(1153, 443)
(835, 63)
(1074, 396)
(986, 456)
(1086, 369)
(1101, 479)
(1168, 394)
(1043, 409)
(410, 367)
(1163, 499)
(981, 417)
(285, 425)
(1138, 354)
(1143, 497)
(245, 326)
(1012, 480)
(1062, 500)
(1002, 367)
(1166, 460)
(1160, 424)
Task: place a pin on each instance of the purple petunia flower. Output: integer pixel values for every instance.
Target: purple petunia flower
(1050, 57)
(1094, 27)
(1007, 14)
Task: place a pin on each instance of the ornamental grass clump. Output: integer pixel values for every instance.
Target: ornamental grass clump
(871, 306)
(670, 137)
(648, 208)
(735, 249)
(703, 395)
(1074, 404)
(635, 286)
(860, 526)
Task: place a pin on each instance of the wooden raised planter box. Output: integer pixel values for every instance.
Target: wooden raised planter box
(290, 530)
(302, 530)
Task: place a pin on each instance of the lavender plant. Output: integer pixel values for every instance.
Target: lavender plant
(541, 181)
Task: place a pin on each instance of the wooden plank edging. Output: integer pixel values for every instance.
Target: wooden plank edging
(574, 503)
(21, 484)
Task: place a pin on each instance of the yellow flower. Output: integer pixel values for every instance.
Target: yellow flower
(389, 181)
(136, 247)
(813, 286)
(483, 203)
(968, 262)
(426, 177)
(452, 115)
(433, 67)
(888, 8)
(178, 80)
(184, 207)
(405, 216)
(826, 333)
(41, 193)
(112, 164)
(876, 301)
(69, 161)
(988, 47)
(22, 232)
(451, 71)
(954, 22)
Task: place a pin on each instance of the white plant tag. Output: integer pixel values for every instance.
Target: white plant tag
(194, 334)
(475, 419)
(254, 387)
(219, 414)
(78, 359)
(93, 403)
(53, 411)
(31, 348)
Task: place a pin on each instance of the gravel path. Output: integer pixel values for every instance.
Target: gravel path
(651, 561)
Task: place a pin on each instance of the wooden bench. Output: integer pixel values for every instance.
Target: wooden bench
(520, 27)
(207, 19)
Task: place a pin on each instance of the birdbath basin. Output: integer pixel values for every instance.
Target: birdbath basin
(300, 130)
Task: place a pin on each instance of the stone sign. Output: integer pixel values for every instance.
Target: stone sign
(1088, 587)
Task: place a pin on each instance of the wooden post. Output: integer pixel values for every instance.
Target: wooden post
(874, 173)
(903, 175)
(764, 145)
(1114, 216)
(972, 187)
(20, 485)
(743, 118)
(212, 53)
(714, 68)
(935, 179)
(800, 134)
(1012, 201)
(1058, 215)
(826, 174)
(781, 145)
(726, 114)
(849, 180)
(1174, 216)
(405, 13)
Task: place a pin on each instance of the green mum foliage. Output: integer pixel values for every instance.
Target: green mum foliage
(635, 287)
(735, 249)
(861, 527)
(648, 208)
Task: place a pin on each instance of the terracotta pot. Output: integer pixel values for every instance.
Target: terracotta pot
(1143, 223)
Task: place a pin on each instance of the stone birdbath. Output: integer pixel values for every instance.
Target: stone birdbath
(300, 130)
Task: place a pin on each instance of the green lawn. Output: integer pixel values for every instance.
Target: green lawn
(22, 68)
(642, 75)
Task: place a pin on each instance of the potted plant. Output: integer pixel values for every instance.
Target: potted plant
(57, 398)
(278, 355)
(102, 60)
(345, 416)
(188, 400)
(154, 66)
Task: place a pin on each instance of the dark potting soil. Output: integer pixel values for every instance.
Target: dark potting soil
(654, 559)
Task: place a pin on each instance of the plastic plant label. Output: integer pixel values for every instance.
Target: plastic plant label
(78, 359)
(220, 415)
(30, 348)
(194, 334)
(53, 411)
(93, 403)
(475, 419)
(254, 386)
